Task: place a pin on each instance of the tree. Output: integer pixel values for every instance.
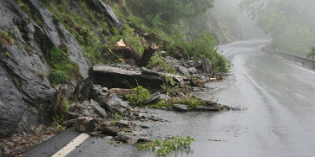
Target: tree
(290, 23)
(312, 53)
(169, 11)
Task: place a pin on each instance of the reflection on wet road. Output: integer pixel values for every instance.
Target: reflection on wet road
(278, 120)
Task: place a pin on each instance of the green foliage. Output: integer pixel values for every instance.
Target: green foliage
(65, 105)
(287, 22)
(162, 103)
(165, 147)
(169, 86)
(139, 94)
(25, 7)
(168, 11)
(192, 101)
(203, 46)
(80, 28)
(116, 117)
(63, 69)
(157, 60)
(129, 36)
(58, 121)
(311, 53)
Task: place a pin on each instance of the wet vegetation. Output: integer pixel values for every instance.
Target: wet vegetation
(63, 69)
(289, 23)
(165, 147)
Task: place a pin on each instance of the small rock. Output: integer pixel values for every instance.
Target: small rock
(164, 97)
(100, 111)
(145, 126)
(68, 122)
(163, 53)
(46, 137)
(108, 138)
(39, 129)
(104, 89)
(184, 71)
(206, 108)
(181, 107)
(154, 97)
(149, 72)
(95, 133)
(193, 70)
(121, 92)
(124, 123)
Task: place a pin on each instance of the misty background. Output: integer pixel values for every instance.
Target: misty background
(288, 24)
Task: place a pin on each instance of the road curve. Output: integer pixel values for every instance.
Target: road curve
(277, 120)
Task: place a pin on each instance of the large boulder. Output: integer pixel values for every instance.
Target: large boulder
(114, 77)
(88, 109)
(85, 124)
(206, 65)
(112, 103)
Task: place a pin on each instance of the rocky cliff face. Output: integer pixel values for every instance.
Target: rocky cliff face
(25, 91)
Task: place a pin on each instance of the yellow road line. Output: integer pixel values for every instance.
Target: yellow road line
(71, 146)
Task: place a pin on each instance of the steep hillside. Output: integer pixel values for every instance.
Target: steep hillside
(46, 43)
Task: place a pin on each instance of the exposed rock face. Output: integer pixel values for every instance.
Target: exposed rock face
(25, 97)
(102, 7)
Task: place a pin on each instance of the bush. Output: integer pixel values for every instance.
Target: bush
(203, 46)
(138, 95)
(157, 60)
(191, 101)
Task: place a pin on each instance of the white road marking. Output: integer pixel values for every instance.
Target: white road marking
(71, 146)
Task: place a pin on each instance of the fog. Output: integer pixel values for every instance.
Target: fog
(290, 23)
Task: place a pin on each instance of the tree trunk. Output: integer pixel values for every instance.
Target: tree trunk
(147, 54)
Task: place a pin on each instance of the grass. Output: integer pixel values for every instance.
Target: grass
(80, 29)
(63, 69)
(165, 147)
(191, 101)
(116, 118)
(157, 60)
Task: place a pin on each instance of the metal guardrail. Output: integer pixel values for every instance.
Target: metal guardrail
(304, 61)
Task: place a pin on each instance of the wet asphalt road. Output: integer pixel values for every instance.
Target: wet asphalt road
(278, 119)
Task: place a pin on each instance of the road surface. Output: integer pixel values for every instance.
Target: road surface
(278, 116)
